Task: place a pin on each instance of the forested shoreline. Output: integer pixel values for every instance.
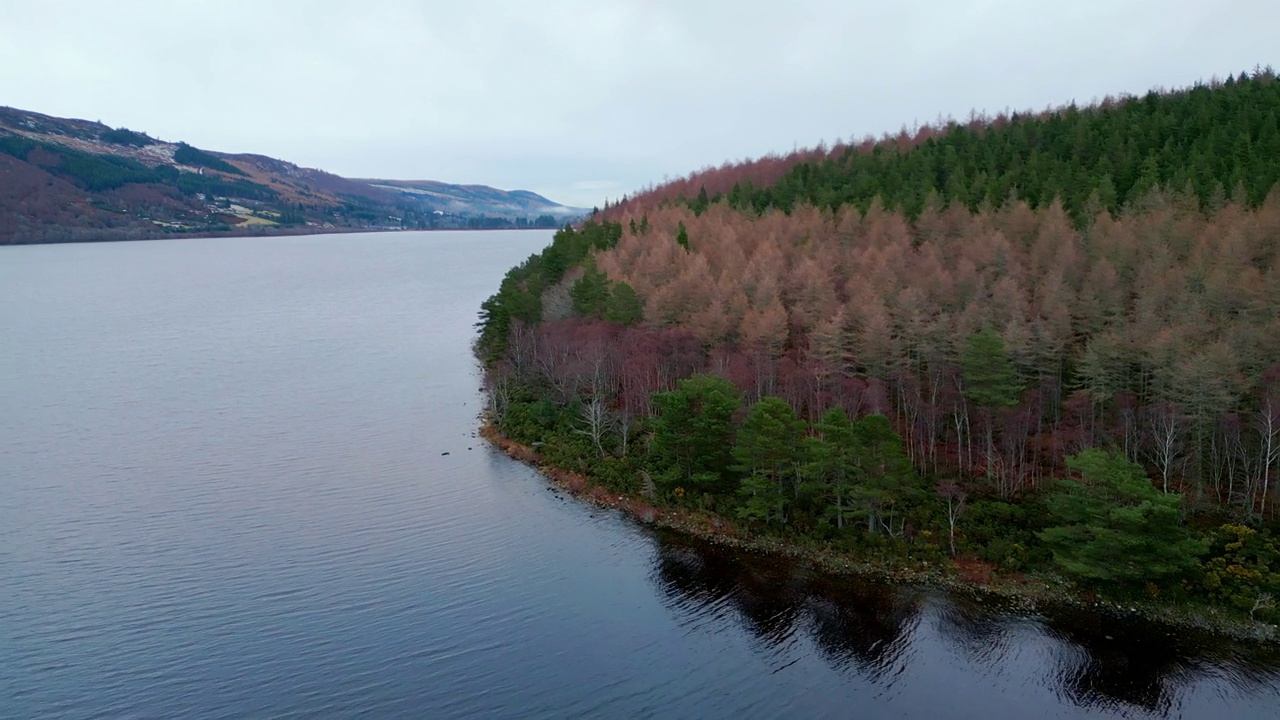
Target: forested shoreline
(1081, 382)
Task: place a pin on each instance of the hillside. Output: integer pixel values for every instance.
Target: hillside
(1064, 324)
(476, 199)
(67, 180)
(1212, 140)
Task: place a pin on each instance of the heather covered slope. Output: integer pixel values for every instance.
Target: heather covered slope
(1087, 387)
(68, 180)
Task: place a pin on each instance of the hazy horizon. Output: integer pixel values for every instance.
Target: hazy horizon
(585, 101)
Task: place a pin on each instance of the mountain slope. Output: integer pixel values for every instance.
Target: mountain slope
(67, 180)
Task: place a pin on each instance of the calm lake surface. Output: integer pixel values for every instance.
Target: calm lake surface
(224, 492)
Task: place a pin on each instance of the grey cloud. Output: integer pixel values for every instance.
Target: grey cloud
(581, 99)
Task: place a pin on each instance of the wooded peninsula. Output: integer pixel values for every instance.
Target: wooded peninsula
(1036, 345)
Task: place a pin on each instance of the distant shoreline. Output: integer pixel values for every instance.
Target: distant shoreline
(289, 232)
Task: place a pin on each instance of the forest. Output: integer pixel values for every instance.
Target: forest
(187, 155)
(1210, 141)
(1043, 344)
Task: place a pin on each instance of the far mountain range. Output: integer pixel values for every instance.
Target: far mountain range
(64, 180)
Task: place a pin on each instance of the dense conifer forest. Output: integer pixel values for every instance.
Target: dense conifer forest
(1037, 343)
(1212, 141)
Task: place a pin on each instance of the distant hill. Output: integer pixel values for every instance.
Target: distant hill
(476, 198)
(64, 180)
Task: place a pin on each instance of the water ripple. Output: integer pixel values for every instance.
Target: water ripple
(223, 495)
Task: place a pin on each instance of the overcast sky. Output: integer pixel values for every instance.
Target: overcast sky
(585, 100)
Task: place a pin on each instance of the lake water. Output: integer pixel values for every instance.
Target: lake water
(225, 493)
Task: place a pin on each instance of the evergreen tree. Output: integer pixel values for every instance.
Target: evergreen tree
(768, 452)
(990, 378)
(693, 433)
(832, 467)
(624, 306)
(590, 293)
(886, 481)
(1116, 529)
(700, 205)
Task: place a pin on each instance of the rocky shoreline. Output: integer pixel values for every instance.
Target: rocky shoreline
(1023, 594)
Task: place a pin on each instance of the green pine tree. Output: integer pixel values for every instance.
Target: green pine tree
(1116, 529)
(768, 452)
(682, 236)
(624, 305)
(693, 433)
(990, 378)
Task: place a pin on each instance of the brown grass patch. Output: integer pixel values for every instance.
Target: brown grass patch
(974, 571)
(511, 448)
(571, 481)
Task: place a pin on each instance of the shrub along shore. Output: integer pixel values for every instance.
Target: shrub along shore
(1018, 592)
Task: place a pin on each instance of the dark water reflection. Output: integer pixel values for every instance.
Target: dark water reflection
(1096, 662)
(1121, 661)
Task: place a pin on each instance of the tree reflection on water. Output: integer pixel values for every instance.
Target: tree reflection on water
(1092, 660)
